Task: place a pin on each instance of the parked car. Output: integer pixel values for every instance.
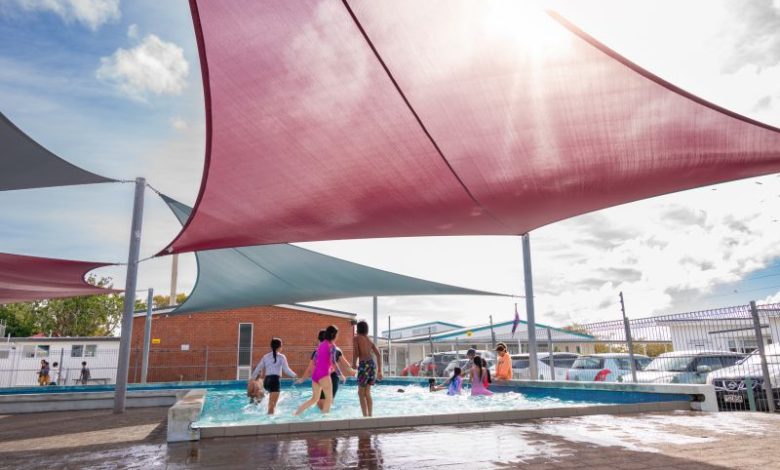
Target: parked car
(604, 367)
(685, 367)
(731, 382)
(561, 361)
(453, 364)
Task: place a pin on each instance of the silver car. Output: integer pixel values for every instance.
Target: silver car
(604, 367)
(685, 367)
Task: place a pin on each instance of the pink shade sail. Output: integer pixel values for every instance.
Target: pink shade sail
(337, 120)
(27, 278)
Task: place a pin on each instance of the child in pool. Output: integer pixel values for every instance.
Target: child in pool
(271, 367)
(453, 385)
(479, 378)
(320, 377)
(369, 369)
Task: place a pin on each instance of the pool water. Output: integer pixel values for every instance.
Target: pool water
(231, 407)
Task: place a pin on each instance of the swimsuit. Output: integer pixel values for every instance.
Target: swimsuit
(478, 387)
(455, 385)
(366, 373)
(323, 362)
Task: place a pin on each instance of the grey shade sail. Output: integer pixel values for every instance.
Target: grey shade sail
(25, 164)
(281, 274)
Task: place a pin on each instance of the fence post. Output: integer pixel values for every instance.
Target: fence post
(629, 341)
(764, 367)
(206, 373)
(551, 349)
(147, 335)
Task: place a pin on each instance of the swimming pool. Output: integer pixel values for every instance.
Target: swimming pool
(230, 407)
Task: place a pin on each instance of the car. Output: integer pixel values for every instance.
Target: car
(608, 367)
(561, 361)
(453, 364)
(488, 355)
(434, 365)
(731, 383)
(685, 367)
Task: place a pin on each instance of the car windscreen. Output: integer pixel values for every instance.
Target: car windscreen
(588, 362)
(670, 364)
(520, 363)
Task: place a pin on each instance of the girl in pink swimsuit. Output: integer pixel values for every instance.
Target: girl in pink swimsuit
(320, 376)
(478, 378)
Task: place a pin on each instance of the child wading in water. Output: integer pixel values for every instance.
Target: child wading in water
(271, 367)
(320, 377)
(452, 385)
(368, 369)
(479, 378)
(336, 375)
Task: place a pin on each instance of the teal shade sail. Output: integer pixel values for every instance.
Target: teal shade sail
(281, 274)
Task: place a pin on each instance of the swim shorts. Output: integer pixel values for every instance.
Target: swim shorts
(271, 383)
(366, 373)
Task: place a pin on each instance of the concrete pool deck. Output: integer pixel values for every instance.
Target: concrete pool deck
(136, 439)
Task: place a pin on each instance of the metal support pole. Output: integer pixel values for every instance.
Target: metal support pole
(492, 333)
(762, 352)
(552, 350)
(376, 320)
(123, 362)
(389, 341)
(629, 340)
(147, 336)
(457, 350)
(206, 372)
(529, 307)
(174, 278)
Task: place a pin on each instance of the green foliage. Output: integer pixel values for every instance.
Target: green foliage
(93, 315)
(159, 301)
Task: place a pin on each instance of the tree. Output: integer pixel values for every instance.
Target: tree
(93, 315)
(160, 301)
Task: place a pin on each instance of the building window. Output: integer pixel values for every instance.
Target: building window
(579, 350)
(28, 351)
(90, 350)
(42, 351)
(77, 350)
(244, 344)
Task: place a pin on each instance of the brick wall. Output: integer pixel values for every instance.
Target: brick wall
(213, 341)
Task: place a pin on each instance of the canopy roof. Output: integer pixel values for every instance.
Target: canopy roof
(336, 120)
(26, 278)
(282, 274)
(27, 164)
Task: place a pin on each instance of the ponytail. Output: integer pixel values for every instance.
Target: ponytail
(478, 363)
(276, 343)
(331, 332)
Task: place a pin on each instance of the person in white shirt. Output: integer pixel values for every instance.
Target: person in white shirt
(55, 374)
(271, 366)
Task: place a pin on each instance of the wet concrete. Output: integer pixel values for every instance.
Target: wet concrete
(681, 440)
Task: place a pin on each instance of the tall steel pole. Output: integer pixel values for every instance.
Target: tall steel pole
(629, 340)
(376, 319)
(174, 278)
(147, 336)
(492, 333)
(123, 364)
(529, 307)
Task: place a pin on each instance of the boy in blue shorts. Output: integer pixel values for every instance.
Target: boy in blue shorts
(369, 370)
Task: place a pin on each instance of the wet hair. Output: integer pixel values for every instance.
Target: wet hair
(431, 381)
(362, 327)
(331, 332)
(456, 372)
(276, 343)
(84, 363)
(321, 336)
(478, 363)
(55, 364)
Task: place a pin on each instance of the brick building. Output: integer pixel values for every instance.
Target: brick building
(226, 345)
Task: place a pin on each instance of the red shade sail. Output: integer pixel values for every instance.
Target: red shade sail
(335, 120)
(25, 278)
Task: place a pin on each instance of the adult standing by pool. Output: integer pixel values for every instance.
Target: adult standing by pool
(470, 355)
(272, 365)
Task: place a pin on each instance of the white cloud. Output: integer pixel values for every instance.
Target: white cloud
(179, 124)
(91, 13)
(153, 66)
(132, 31)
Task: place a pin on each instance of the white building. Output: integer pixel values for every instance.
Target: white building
(721, 334)
(20, 359)
(420, 329)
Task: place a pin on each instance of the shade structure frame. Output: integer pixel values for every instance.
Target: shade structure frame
(231, 278)
(48, 169)
(369, 223)
(29, 278)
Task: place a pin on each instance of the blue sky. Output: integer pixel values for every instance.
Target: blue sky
(114, 86)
